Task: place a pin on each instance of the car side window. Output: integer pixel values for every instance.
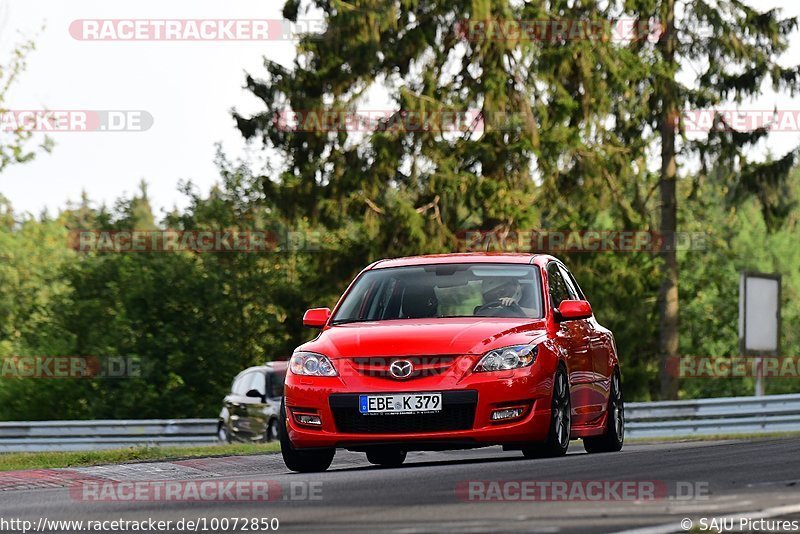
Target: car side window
(259, 382)
(577, 286)
(574, 293)
(276, 381)
(241, 385)
(558, 287)
(236, 382)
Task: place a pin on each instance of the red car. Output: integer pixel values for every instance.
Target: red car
(453, 351)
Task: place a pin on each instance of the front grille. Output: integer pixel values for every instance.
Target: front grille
(458, 413)
(422, 365)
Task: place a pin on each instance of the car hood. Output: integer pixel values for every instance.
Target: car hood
(419, 337)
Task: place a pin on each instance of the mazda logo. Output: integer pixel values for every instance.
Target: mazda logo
(401, 369)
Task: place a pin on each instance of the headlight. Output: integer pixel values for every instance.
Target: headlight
(311, 364)
(508, 358)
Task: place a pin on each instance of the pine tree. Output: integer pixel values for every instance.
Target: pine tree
(542, 102)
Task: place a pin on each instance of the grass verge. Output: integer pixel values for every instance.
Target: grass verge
(13, 461)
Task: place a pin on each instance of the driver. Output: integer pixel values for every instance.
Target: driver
(506, 291)
(503, 292)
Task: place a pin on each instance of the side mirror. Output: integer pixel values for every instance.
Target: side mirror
(316, 317)
(255, 394)
(572, 310)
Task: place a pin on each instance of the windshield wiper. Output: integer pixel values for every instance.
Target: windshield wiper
(348, 321)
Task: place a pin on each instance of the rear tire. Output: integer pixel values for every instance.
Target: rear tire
(557, 441)
(386, 457)
(614, 437)
(302, 461)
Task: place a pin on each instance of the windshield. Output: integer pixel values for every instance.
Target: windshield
(455, 290)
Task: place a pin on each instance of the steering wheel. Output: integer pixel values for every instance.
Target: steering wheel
(513, 310)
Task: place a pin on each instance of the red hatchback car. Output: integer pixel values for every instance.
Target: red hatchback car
(453, 351)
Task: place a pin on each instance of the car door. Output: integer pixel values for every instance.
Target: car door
(599, 339)
(256, 402)
(236, 404)
(574, 336)
(275, 383)
(595, 396)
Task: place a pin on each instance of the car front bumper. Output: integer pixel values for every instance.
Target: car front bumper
(465, 419)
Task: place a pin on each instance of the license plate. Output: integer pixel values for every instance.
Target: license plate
(400, 403)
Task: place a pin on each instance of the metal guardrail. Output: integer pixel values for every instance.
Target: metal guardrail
(708, 417)
(31, 436)
(701, 417)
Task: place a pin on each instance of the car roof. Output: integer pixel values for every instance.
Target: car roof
(461, 257)
(269, 366)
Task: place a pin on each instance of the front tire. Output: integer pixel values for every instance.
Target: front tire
(557, 441)
(386, 457)
(222, 433)
(272, 431)
(299, 460)
(614, 437)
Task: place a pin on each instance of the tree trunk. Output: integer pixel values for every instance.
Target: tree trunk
(668, 295)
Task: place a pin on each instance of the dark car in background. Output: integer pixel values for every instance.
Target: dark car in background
(251, 408)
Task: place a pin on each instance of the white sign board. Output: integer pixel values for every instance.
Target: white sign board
(759, 313)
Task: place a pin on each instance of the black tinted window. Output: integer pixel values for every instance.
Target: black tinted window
(574, 294)
(581, 294)
(276, 381)
(558, 287)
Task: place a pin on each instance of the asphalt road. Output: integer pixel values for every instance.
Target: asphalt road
(432, 492)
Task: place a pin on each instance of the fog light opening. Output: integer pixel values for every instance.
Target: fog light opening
(504, 414)
(307, 419)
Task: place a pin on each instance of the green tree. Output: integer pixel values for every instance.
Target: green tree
(735, 240)
(563, 143)
(543, 107)
(733, 50)
(15, 143)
